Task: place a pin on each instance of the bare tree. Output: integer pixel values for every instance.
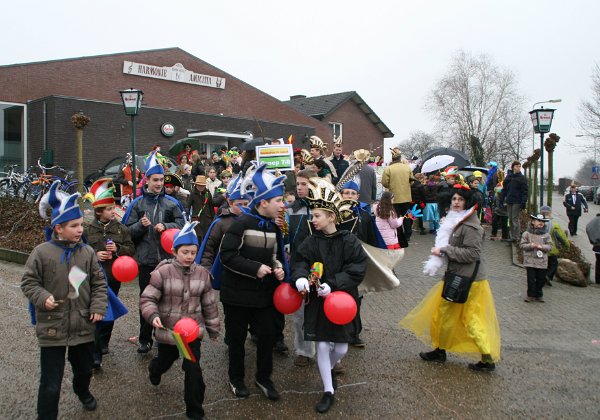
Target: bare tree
(418, 143)
(590, 109)
(480, 99)
(584, 172)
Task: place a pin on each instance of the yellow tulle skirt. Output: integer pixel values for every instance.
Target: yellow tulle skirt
(470, 328)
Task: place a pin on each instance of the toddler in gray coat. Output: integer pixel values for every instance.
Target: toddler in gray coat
(535, 244)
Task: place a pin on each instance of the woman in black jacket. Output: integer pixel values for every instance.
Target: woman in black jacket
(344, 265)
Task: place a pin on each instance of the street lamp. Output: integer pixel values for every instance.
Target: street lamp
(542, 121)
(132, 102)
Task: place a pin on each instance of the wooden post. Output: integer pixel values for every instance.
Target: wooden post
(79, 121)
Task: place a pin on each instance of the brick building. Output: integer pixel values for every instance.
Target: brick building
(38, 99)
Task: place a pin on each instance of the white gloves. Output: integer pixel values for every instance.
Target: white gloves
(324, 290)
(302, 284)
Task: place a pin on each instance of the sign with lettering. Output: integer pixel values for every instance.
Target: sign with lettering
(177, 73)
(276, 156)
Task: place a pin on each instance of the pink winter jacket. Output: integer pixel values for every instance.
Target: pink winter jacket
(387, 227)
(176, 292)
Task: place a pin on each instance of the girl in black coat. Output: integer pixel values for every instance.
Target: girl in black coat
(344, 266)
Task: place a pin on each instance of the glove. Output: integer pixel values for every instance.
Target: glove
(324, 290)
(302, 284)
(523, 206)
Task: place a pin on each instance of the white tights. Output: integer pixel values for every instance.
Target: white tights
(328, 354)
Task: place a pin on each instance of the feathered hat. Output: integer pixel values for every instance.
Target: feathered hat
(317, 143)
(186, 236)
(337, 142)
(64, 207)
(322, 195)
(234, 191)
(101, 193)
(396, 152)
(266, 186)
(153, 166)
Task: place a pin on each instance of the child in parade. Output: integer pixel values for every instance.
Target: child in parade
(64, 283)
(344, 266)
(499, 216)
(200, 206)
(470, 327)
(180, 288)
(254, 264)
(109, 239)
(559, 241)
(431, 213)
(535, 244)
(387, 220)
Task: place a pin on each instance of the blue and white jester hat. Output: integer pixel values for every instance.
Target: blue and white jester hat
(266, 186)
(187, 235)
(153, 166)
(64, 207)
(234, 191)
(352, 184)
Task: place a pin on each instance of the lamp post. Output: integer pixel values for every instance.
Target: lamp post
(132, 102)
(542, 121)
(549, 101)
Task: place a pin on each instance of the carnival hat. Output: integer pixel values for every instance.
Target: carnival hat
(153, 166)
(200, 180)
(337, 142)
(396, 153)
(186, 236)
(361, 155)
(234, 191)
(478, 174)
(173, 179)
(101, 193)
(352, 184)
(64, 207)
(492, 163)
(307, 157)
(266, 185)
(539, 217)
(316, 143)
(323, 196)
(451, 171)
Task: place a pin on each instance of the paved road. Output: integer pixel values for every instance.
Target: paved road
(550, 365)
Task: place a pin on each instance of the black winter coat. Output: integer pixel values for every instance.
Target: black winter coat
(250, 242)
(344, 265)
(578, 204)
(515, 189)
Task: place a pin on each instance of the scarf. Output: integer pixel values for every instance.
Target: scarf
(453, 218)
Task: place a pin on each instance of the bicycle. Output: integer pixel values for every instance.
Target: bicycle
(13, 183)
(38, 187)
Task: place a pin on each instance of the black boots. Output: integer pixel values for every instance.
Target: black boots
(326, 402)
(437, 355)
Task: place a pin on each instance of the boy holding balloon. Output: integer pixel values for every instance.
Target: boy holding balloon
(330, 291)
(109, 239)
(179, 289)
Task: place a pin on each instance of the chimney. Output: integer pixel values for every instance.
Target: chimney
(297, 97)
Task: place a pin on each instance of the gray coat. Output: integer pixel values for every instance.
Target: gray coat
(47, 273)
(530, 255)
(593, 230)
(464, 248)
(159, 209)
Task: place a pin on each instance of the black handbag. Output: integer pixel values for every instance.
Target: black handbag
(456, 287)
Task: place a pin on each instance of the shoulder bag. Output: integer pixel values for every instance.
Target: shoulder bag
(456, 287)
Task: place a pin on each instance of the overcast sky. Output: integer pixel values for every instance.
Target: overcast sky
(390, 52)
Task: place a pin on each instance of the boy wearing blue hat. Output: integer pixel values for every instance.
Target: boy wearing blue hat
(180, 288)
(64, 283)
(147, 218)
(253, 266)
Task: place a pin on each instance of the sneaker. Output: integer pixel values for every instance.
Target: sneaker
(144, 348)
(154, 379)
(89, 402)
(326, 402)
(437, 355)
(482, 366)
(301, 361)
(280, 347)
(339, 369)
(267, 388)
(239, 389)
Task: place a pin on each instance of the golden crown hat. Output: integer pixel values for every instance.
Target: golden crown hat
(307, 157)
(323, 196)
(317, 143)
(396, 152)
(337, 142)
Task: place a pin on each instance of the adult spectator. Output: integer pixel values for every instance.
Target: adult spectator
(187, 151)
(593, 232)
(337, 160)
(397, 178)
(147, 218)
(368, 177)
(574, 201)
(514, 196)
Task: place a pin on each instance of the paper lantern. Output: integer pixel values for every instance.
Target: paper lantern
(340, 308)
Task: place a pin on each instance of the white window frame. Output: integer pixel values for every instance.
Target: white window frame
(25, 144)
(332, 125)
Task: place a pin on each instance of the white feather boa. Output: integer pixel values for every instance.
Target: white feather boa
(434, 263)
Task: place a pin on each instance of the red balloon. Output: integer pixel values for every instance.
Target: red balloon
(125, 269)
(287, 299)
(188, 328)
(340, 308)
(167, 238)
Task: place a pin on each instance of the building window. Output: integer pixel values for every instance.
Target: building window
(11, 132)
(336, 129)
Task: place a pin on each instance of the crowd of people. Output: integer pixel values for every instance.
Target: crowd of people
(245, 230)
